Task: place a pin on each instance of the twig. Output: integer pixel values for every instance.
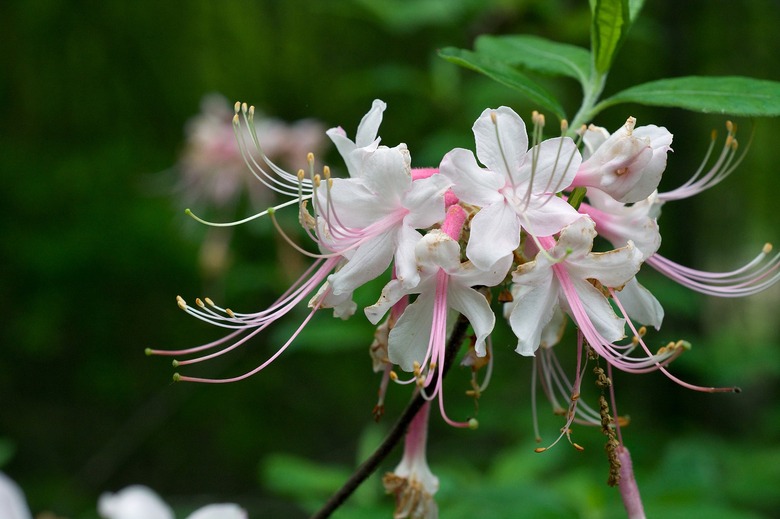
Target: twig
(396, 433)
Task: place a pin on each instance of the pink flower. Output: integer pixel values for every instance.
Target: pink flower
(628, 164)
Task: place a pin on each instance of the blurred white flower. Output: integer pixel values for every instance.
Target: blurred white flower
(13, 505)
(213, 168)
(140, 502)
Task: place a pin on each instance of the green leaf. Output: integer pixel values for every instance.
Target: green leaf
(537, 54)
(611, 20)
(505, 75)
(731, 95)
(634, 8)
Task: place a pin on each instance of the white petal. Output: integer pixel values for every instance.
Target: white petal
(546, 215)
(612, 269)
(437, 250)
(476, 309)
(576, 239)
(592, 139)
(369, 261)
(425, 201)
(471, 183)
(133, 502)
(387, 172)
(469, 275)
(599, 311)
(391, 294)
(369, 125)
(405, 260)
(12, 502)
(641, 305)
(495, 233)
(408, 340)
(353, 204)
(502, 141)
(553, 331)
(532, 309)
(219, 511)
(550, 165)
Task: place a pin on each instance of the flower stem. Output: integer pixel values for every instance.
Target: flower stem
(629, 490)
(396, 433)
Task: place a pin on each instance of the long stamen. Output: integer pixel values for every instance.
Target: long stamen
(755, 276)
(725, 164)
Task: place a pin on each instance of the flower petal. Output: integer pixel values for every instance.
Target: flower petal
(471, 183)
(133, 502)
(369, 125)
(533, 309)
(476, 309)
(408, 340)
(391, 294)
(550, 165)
(425, 201)
(495, 233)
(12, 502)
(369, 261)
(641, 305)
(599, 311)
(502, 141)
(219, 511)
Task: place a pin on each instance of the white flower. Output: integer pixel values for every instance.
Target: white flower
(517, 189)
(12, 502)
(140, 502)
(628, 165)
(561, 276)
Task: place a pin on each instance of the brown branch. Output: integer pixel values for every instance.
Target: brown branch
(396, 433)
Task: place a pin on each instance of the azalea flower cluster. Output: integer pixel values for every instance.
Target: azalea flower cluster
(521, 215)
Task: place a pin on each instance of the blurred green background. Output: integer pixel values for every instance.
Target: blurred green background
(95, 246)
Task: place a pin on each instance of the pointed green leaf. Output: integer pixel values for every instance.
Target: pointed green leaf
(731, 95)
(537, 54)
(634, 8)
(611, 20)
(505, 75)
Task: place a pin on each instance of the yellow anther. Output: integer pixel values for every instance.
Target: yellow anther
(493, 117)
(714, 135)
(301, 175)
(326, 172)
(237, 107)
(235, 120)
(564, 126)
(642, 331)
(310, 158)
(730, 127)
(432, 366)
(316, 180)
(199, 302)
(767, 248)
(209, 301)
(540, 449)
(182, 304)
(393, 375)
(243, 107)
(575, 397)
(578, 446)
(330, 183)
(230, 313)
(252, 111)
(729, 141)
